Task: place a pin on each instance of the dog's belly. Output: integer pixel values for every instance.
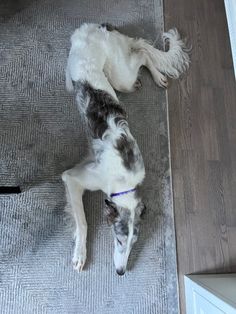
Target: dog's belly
(119, 75)
(119, 67)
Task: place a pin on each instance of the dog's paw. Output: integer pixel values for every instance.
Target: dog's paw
(79, 260)
(163, 82)
(137, 84)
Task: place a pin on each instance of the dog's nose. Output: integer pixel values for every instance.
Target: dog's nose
(120, 271)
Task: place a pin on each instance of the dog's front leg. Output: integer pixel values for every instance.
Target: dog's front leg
(74, 194)
(80, 250)
(84, 176)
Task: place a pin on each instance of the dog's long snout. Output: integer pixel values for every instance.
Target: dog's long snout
(120, 271)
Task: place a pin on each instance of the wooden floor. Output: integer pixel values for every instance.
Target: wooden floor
(202, 113)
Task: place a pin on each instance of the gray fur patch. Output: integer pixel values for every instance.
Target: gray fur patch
(109, 27)
(121, 226)
(129, 152)
(97, 105)
(126, 150)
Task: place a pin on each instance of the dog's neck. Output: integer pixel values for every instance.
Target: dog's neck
(129, 200)
(125, 200)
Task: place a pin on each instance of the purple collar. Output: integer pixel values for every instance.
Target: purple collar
(122, 193)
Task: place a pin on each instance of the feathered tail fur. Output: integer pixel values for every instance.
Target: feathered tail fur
(172, 62)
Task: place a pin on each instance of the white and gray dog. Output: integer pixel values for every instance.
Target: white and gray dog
(103, 60)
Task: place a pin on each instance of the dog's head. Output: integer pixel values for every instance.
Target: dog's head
(125, 225)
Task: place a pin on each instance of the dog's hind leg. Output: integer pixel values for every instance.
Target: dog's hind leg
(123, 76)
(141, 58)
(77, 180)
(157, 76)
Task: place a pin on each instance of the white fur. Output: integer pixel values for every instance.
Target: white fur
(111, 61)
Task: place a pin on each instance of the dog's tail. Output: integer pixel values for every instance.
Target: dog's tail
(172, 62)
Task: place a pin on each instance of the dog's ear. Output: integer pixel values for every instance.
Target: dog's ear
(141, 209)
(111, 211)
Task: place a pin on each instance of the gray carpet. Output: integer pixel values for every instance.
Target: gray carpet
(41, 135)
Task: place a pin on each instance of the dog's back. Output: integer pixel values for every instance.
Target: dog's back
(107, 125)
(98, 109)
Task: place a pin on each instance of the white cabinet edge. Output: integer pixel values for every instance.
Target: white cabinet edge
(193, 286)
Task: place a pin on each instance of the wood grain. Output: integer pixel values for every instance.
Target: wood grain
(202, 114)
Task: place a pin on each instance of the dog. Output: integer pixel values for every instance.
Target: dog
(102, 60)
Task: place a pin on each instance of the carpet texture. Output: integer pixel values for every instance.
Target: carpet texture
(41, 135)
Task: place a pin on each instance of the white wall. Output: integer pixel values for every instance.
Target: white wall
(230, 7)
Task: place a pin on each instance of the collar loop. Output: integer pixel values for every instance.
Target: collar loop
(122, 193)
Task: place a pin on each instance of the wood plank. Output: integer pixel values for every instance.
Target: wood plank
(202, 113)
